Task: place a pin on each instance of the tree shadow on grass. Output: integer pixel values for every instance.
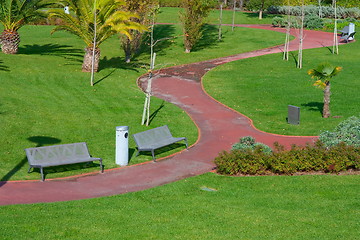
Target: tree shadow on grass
(3, 67)
(160, 32)
(39, 141)
(256, 15)
(314, 106)
(209, 39)
(153, 115)
(118, 62)
(52, 49)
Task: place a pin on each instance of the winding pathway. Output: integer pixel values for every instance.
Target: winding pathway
(219, 127)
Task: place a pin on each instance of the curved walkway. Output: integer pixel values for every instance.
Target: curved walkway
(219, 127)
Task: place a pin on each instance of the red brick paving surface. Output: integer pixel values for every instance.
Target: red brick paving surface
(219, 127)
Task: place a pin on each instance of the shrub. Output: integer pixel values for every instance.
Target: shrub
(278, 22)
(313, 22)
(310, 158)
(347, 132)
(249, 143)
(326, 11)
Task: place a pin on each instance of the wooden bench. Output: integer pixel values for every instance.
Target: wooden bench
(64, 154)
(155, 138)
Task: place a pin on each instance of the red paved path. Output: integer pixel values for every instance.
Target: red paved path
(219, 128)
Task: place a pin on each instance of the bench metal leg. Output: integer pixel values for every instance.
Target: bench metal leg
(29, 169)
(42, 174)
(101, 166)
(186, 142)
(153, 155)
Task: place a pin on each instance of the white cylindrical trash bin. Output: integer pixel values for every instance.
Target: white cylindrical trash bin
(122, 146)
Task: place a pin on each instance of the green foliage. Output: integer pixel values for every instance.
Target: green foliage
(298, 159)
(324, 12)
(347, 132)
(329, 24)
(170, 3)
(192, 19)
(323, 73)
(16, 13)
(313, 22)
(255, 5)
(282, 22)
(249, 143)
(80, 21)
(278, 22)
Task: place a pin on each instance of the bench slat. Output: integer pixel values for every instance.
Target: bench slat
(64, 154)
(155, 138)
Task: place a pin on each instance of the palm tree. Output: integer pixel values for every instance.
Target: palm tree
(80, 21)
(323, 74)
(13, 15)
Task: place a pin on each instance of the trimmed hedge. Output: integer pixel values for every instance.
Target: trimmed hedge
(310, 158)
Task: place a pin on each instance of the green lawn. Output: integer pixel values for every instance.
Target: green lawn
(171, 15)
(269, 207)
(280, 83)
(46, 99)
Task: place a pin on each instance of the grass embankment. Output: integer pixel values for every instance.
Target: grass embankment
(46, 99)
(263, 87)
(272, 207)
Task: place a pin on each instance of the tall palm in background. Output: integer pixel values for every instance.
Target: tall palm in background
(13, 15)
(323, 73)
(80, 21)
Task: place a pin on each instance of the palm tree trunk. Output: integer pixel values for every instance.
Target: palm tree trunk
(86, 67)
(9, 41)
(326, 108)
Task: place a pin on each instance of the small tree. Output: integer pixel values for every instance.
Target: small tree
(323, 73)
(145, 9)
(192, 19)
(13, 15)
(81, 22)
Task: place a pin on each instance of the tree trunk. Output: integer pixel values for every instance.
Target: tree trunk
(9, 41)
(86, 67)
(326, 108)
(261, 9)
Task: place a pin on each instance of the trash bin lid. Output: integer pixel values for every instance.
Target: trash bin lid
(122, 128)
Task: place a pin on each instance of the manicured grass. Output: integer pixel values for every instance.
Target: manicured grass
(171, 15)
(271, 207)
(263, 87)
(46, 99)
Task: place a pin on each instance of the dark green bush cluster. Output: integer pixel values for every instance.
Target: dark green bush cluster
(310, 158)
(347, 131)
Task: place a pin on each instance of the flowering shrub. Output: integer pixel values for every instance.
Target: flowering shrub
(310, 158)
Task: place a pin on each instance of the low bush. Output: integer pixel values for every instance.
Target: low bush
(347, 132)
(278, 22)
(249, 143)
(313, 22)
(310, 158)
(324, 12)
